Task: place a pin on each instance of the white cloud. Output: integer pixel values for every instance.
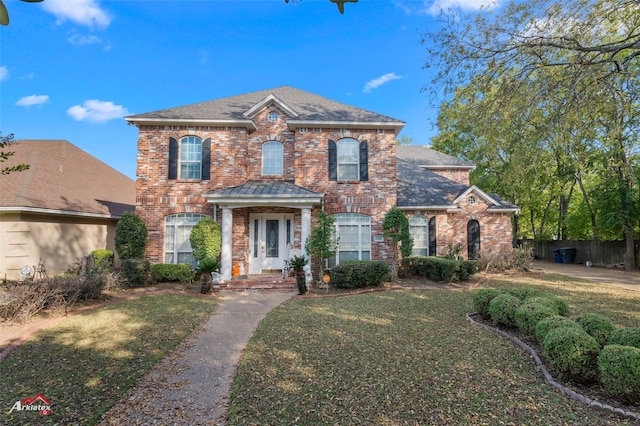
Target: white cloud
(80, 40)
(96, 111)
(28, 101)
(4, 73)
(432, 7)
(377, 82)
(82, 12)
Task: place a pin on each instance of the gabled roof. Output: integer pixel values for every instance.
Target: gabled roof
(63, 179)
(306, 110)
(425, 156)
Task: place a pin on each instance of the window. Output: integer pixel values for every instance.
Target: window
(273, 117)
(272, 158)
(177, 229)
(190, 158)
(419, 231)
(432, 236)
(354, 238)
(348, 160)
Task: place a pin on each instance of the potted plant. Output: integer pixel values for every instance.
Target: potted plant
(297, 264)
(206, 266)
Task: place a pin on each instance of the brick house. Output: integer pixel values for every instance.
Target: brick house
(262, 164)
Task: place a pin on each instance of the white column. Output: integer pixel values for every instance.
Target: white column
(305, 230)
(227, 242)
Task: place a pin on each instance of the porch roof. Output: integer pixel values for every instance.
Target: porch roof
(277, 193)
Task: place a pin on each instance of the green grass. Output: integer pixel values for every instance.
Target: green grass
(83, 364)
(407, 358)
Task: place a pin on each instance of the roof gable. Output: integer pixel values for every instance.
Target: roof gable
(270, 100)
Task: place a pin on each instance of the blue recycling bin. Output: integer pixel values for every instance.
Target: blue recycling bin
(557, 255)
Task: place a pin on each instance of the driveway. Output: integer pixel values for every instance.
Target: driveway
(615, 277)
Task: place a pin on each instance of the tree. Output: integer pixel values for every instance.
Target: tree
(206, 239)
(4, 14)
(131, 236)
(339, 3)
(396, 227)
(404, 140)
(321, 244)
(5, 143)
(549, 79)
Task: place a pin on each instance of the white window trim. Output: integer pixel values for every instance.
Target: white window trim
(339, 164)
(281, 158)
(181, 161)
(352, 219)
(424, 224)
(188, 219)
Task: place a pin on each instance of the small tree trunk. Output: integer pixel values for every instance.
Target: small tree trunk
(301, 281)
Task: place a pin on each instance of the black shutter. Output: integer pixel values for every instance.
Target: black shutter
(333, 160)
(173, 159)
(364, 161)
(206, 159)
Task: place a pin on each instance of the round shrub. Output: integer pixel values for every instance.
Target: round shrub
(206, 239)
(598, 326)
(549, 323)
(560, 306)
(572, 352)
(531, 312)
(502, 309)
(619, 368)
(627, 336)
(524, 293)
(482, 298)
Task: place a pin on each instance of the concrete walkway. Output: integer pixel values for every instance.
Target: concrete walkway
(191, 385)
(615, 277)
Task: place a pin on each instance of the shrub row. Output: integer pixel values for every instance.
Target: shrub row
(586, 349)
(135, 272)
(438, 269)
(360, 273)
(165, 272)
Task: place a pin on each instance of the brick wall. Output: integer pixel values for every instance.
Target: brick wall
(457, 175)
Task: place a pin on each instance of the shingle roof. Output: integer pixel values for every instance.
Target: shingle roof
(266, 188)
(427, 156)
(308, 106)
(64, 178)
(420, 187)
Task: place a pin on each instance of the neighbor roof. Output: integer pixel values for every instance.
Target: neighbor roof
(306, 110)
(63, 179)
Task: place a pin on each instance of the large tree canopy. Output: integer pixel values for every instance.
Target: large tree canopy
(543, 96)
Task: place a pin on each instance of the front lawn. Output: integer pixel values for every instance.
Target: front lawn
(407, 357)
(83, 364)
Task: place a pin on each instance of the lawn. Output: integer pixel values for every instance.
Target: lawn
(83, 364)
(407, 357)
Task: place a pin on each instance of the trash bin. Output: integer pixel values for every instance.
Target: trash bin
(568, 254)
(557, 255)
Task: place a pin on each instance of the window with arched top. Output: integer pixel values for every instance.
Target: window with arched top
(189, 158)
(348, 160)
(177, 230)
(272, 158)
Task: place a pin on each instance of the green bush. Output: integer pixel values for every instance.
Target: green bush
(359, 273)
(559, 306)
(531, 312)
(598, 326)
(524, 293)
(502, 309)
(135, 272)
(206, 239)
(439, 269)
(163, 272)
(573, 352)
(102, 260)
(627, 336)
(482, 298)
(208, 265)
(619, 368)
(131, 236)
(549, 323)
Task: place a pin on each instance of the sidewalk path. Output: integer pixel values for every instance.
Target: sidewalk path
(191, 384)
(615, 277)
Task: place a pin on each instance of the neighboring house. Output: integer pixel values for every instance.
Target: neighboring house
(444, 210)
(64, 206)
(263, 164)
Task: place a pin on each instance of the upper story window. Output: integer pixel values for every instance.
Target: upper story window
(190, 158)
(348, 160)
(273, 117)
(272, 158)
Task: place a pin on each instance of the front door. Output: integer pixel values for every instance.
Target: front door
(270, 238)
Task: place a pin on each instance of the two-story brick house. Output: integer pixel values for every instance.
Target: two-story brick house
(262, 164)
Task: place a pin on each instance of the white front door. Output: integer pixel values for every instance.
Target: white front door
(270, 237)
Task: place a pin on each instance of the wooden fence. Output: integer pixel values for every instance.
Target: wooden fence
(599, 253)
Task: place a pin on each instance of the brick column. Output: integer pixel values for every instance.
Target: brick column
(227, 241)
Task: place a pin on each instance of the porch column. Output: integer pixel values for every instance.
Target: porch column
(227, 242)
(305, 230)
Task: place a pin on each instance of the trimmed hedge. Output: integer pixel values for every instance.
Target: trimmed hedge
(482, 298)
(554, 302)
(135, 272)
(523, 293)
(573, 352)
(359, 273)
(439, 269)
(550, 323)
(164, 272)
(531, 312)
(502, 309)
(598, 326)
(619, 368)
(627, 336)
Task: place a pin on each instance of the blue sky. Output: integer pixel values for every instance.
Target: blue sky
(72, 69)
